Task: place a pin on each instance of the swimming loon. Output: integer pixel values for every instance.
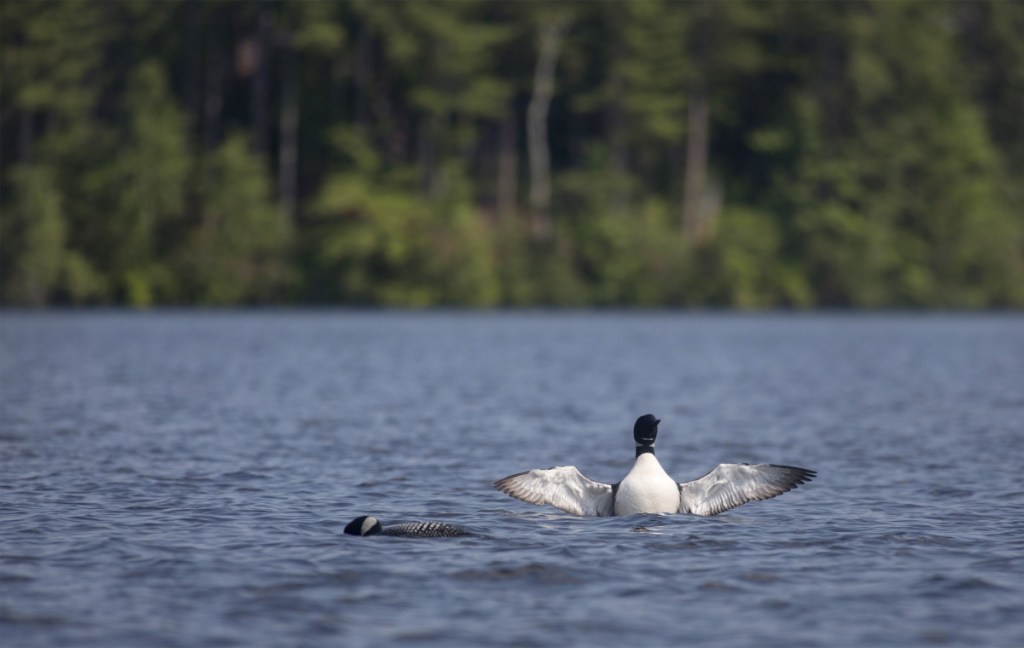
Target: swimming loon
(647, 488)
(368, 525)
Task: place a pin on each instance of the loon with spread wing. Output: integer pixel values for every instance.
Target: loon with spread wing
(647, 488)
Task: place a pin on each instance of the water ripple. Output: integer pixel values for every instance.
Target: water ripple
(174, 479)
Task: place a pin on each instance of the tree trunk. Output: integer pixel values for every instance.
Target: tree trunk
(25, 135)
(616, 186)
(508, 165)
(260, 88)
(213, 100)
(426, 157)
(548, 48)
(193, 78)
(288, 151)
(618, 167)
(695, 174)
(362, 74)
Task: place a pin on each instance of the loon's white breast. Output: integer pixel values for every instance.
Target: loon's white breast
(647, 488)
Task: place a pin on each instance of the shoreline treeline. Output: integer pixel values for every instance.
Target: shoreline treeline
(747, 154)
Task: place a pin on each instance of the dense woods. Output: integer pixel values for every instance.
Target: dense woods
(748, 154)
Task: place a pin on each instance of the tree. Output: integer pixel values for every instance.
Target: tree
(861, 153)
(40, 231)
(898, 180)
(550, 33)
(239, 251)
(154, 170)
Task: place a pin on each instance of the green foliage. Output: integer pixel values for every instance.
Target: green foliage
(35, 240)
(153, 169)
(315, 28)
(894, 211)
(869, 154)
(653, 69)
(633, 259)
(50, 50)
(38, 227)
(377, 244)
(751, 270)
(239, 252)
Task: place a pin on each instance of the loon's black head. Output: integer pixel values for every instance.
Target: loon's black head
(364, 525)
(645, 430)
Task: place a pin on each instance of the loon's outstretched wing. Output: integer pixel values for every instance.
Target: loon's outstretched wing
(729, 485)
(563, 487)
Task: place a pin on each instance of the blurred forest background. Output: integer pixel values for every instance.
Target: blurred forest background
(747, 154)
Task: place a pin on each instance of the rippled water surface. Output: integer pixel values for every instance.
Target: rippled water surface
(182, 479)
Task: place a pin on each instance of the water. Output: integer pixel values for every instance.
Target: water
(181, 479)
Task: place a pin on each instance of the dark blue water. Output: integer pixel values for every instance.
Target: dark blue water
(179, 479)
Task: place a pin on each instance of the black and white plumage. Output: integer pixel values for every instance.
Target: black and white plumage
(647, 488)
(366, 525)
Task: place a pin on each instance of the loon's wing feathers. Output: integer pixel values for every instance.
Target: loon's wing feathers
(729, 485)
(563, 487)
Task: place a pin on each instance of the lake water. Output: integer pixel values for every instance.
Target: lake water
(183, 479)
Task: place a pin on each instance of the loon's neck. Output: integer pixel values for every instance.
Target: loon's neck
(643, 449)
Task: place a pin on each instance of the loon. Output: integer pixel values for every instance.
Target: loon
(647, 488)
(368, 525)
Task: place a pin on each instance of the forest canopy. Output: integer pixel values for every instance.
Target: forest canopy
(653, 153)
